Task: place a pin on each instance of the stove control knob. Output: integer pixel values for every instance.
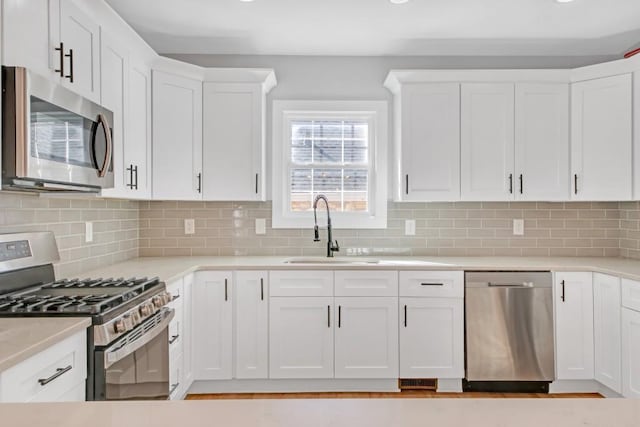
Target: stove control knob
(158, 301)
(128, 322)
(145, 310)
(135, 317)
(119, 326)
(167, 298)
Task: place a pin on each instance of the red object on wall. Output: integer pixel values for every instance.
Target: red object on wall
(631, 53)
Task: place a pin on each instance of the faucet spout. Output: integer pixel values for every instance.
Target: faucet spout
(331, 245)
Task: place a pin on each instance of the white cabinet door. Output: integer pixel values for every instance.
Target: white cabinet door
(487, 135)
(636, 135)
(187, 330)
(366, 337)
(630, 353)
(177, 137)
(81, 38)
(212, 325)
(542, 142)
(251, 317)
(606, 326)
(301, 337)
(26, 30)
(430, 142)
(573, 301)
(137, 150)
(233, 141)
(431, 338)
(601, 132)
(114, 89)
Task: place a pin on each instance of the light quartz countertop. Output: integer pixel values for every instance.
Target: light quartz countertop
(170, 268)
(334, 413)
(21, 338)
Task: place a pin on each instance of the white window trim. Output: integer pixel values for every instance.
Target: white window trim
(379, 134)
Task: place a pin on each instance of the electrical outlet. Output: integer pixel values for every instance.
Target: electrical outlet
(410, 227)
(189, 226)
(88, 232)
(261, 226)
(518, 227)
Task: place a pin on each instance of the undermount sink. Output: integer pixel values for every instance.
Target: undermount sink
(327, 260)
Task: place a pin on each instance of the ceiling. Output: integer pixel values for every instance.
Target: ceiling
(377, 27)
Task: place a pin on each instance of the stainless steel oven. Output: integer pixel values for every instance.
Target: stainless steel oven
(136, 366)
(53, 139)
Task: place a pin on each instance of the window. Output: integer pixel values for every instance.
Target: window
(335, 148)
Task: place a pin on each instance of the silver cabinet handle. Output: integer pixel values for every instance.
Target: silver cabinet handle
(59, 372)
(431, 284)
(173, 388)
(562, 296)
(226, 290)
(328, 316)
(261, 289)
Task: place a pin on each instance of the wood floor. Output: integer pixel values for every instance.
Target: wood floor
(401, 395)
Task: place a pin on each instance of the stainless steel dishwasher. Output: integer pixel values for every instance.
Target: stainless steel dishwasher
(509, 331)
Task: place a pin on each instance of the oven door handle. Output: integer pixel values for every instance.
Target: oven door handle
(120, 350)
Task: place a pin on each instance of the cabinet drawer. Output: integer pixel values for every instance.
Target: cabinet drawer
(367, 283)
(301, 283)
(24, 382)
(631, 294)
(432, 284)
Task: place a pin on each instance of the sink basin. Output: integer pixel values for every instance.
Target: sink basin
(327, 260)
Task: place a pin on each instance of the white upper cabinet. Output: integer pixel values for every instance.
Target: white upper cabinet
(542, 142)
(31, 22)
(56, 39)
(137, 147)
(601, 139)
(428, 145)
(234, 117)
(607, 334)
(81, 38)
(115, 76)
(573, 301)
(177, 137)
(487, 135)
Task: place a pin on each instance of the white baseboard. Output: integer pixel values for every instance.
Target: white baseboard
(294, 386)
(574, 386)
(449, 386)
(607, 392)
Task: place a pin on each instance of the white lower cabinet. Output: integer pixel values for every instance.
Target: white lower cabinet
(431, 338)
(366, 337)
(212, 325)
(630, 353)
(251, 324)
(630, 338)
(606, 325)
(56, 374)
(573, 302)
(300, 337)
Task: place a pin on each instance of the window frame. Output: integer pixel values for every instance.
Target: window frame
(376, 113)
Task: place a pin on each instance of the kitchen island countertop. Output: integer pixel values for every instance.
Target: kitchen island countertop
(334, 413)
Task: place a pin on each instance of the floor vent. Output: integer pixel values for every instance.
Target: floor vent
(418, 384)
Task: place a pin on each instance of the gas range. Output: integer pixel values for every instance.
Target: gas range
(128, 315)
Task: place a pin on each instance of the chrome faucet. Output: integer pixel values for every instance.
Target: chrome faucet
(331, 245)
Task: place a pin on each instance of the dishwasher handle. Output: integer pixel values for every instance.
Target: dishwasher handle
(510, 285)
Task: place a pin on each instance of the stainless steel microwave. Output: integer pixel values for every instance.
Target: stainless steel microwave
(53, 140)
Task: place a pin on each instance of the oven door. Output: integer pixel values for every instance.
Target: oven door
(136, 367)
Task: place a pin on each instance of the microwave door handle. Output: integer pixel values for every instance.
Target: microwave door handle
(102, 171)
(114, 355)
